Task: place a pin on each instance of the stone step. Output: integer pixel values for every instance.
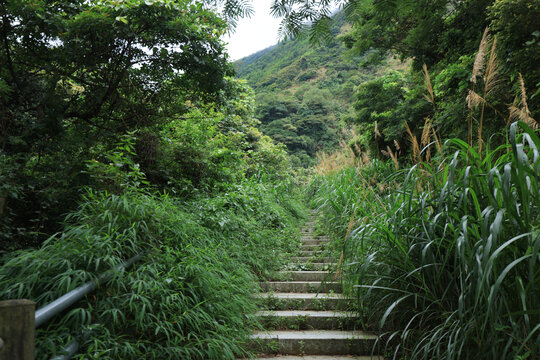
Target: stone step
(311, 266)
(311, 306)
(315, 247)
(301, 286)
(308, 319)
(305, 275)
(315, 242)
(305, 259)
(313, 342)
(302, 301)
(321, 265)
(313, 236)
(320, 357)
(308, 253)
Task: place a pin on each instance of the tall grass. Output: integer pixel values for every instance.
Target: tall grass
(449, 267)
(188, 299)
(346, 192)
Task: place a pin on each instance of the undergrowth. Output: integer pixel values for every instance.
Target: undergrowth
(191, 295)
(443, 257)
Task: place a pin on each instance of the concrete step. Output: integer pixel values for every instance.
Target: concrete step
(320, 357)
(308, 253)
(313, 236)
(308, 319)
(313, 342)
(302, 301)
(305, 259)
(312, 266)
(311, 241)
(300, 286)
(302, 275)
(315, 247)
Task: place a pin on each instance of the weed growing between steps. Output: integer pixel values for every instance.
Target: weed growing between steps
(187, 299)
(444, 256)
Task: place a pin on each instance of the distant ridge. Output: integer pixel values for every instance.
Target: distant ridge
(247, 60)
(305, 93)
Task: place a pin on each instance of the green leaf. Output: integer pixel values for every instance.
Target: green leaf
(122, 19)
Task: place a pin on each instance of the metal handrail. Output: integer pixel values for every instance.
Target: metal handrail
(73, 347)
(55, 307)
(52, 309)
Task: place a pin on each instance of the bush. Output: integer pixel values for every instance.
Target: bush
(447, 264)
(191, 296)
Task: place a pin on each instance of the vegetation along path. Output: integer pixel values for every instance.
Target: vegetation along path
(303, 310)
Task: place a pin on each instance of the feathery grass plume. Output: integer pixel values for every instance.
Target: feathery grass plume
(426, 132)
(322, 163)
(376, 130)
(396, 144)
(388, 152)
(491, 80)
(523, 93)
(472, 97)
(414, 142)
(361, 156)
(331, 162)
(393, 156)
(429, 87)
(350, 225)
(437, 141)
(480, 57)
(426, 136)
(522, 112)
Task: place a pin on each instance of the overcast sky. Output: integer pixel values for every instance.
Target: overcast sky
(255, 33)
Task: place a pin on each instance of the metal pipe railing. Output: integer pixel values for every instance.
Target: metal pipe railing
(52, 309)
(69, 351)
(72, 348)
(19, 319)
(64, 302)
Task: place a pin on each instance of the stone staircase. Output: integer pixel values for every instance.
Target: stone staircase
(304, 313)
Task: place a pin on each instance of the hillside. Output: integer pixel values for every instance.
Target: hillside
(304, 92)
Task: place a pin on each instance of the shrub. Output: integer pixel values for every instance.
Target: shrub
(191, 296)
(446, 264)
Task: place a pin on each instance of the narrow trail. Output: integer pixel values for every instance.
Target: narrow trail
(304, 312)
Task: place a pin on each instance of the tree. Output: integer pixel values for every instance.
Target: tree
(75, 75)
(436, 33)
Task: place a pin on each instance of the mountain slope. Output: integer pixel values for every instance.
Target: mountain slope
(305, 92)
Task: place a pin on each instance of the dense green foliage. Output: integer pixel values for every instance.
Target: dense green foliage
(188, 298)
(444, 35)
(77, 74)
(444, 256)
(123, 132)
(305, 92)
(122, 115)
(70, 90)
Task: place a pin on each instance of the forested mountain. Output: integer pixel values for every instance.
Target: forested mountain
(304, 93)
(134, 165)
(124, 136)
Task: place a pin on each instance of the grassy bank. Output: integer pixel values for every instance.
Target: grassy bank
(187, 299)
(443, 257)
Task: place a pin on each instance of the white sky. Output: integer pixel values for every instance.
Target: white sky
(255, 33)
